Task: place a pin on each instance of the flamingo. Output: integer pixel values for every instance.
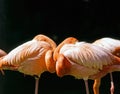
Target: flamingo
(31, 58)
(112, 46)
(83, 60)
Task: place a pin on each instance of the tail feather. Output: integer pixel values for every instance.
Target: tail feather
(4, 65)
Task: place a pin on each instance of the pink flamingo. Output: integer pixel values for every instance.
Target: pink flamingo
(83, 61)
(31, 58)
(112, 46)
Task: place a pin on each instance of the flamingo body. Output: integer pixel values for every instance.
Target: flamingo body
(87, 59)
(112, 46)
(29, 58)
(84, 61)
(109, 44)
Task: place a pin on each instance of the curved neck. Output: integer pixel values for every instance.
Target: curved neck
(70, 40)
(52, 43)
(57, 50)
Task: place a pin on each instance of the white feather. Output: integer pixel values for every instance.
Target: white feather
(29, 48)
(87, 54)
(108, 43)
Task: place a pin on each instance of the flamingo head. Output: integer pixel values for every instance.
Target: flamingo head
(63, 66)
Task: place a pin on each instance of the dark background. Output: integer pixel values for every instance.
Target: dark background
(21, 20)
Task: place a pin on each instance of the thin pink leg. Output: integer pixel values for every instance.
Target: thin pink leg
(36, 85)
(112, 84)
(86, 86)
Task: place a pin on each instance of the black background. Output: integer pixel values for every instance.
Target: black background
(21, 20)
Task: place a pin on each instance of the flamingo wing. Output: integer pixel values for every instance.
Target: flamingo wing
(87, 55)
(108, 43)
(29, 52)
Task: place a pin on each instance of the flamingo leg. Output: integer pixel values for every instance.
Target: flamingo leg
(112, 84)
(36, 85)
(86, 86)
(2, 72)
(96, 86)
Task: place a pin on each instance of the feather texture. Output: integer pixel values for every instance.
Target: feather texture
(87, 55)
(28, 58)
(108, 43)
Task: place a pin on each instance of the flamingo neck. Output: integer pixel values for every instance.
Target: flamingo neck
(57, 50)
